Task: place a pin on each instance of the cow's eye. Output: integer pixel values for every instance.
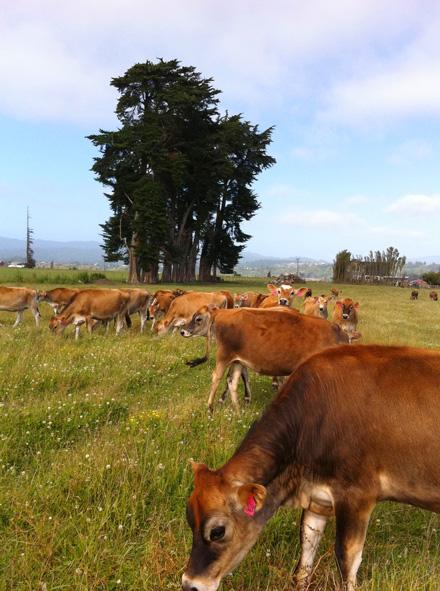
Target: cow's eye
(198, 320)
(217, 533)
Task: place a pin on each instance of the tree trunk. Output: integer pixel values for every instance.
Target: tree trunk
(166, 271)
(133, 266)
(152, 276)
(205, 264)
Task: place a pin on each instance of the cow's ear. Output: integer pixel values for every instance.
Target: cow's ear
(272, 289)
(251, 497)
(338, 304)
(356, 305)
(300, 292)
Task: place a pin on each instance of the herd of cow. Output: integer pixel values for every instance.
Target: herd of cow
(353, 425)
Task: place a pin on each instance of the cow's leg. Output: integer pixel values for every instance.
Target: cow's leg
(312, 528)
(245, 378)
(351, 528)
(247, 387)
(217, 375)
(232, 380)
(119, 323)
(36, 312)
(128, 320)
(19, 318)
(143, 315)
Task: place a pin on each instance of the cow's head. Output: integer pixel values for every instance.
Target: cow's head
(58, 323)
(161, 327)
(41, 295)
(322, 303)
(285, 293)
(348, 308)
(237, 300)
(200, 323)
(225, 518)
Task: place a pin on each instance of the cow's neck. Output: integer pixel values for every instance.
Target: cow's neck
(267, 456)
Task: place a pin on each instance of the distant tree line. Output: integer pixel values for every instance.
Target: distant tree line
(178, 175)
(376, 266)
(432, 277)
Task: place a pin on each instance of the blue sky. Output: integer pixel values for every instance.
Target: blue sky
(353, 89)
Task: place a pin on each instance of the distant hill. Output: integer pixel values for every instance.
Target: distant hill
(72, 252)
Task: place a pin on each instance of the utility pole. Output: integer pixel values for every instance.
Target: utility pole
(30, 261)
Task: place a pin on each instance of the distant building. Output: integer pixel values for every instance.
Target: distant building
(15, 265)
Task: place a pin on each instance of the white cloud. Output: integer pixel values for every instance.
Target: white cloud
(405, 83)
(419, 205)
(345, 223)
(410, 151)
(56, 58)
(323, 218)
(356, 200)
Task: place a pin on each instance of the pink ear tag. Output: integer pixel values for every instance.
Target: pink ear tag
(251, 506)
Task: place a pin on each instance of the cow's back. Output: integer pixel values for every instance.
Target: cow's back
(98, 302)
(16, 298)
(275, 341)
(370, 412)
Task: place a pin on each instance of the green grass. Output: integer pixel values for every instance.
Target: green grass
(95, 438)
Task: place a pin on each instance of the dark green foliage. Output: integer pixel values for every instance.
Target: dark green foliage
(341, 266)
(179, 174)
(378, 266)
(432, 278)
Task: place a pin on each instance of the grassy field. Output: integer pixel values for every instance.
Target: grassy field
(95, 437)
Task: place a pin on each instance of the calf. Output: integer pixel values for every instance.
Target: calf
(414, 295)
(271, 342)
(19, 299)
(282, 295)
(433, 295)
(58, 298)
(346, 316)
(348, 430)
(317, 306)
(90, 306)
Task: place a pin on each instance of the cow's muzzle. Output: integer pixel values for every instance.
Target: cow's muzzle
(185, 333)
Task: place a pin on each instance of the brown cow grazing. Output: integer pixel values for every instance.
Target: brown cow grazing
(138, 302)
(249, 299)
(317, 306)
(433, 295)
(271, 342)
(182, 309)
(19, 299)
(414, 295)
(90, 306)
(161, 302)
(282, 295)
(345, 314)
(58, 298)
(348, 430)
